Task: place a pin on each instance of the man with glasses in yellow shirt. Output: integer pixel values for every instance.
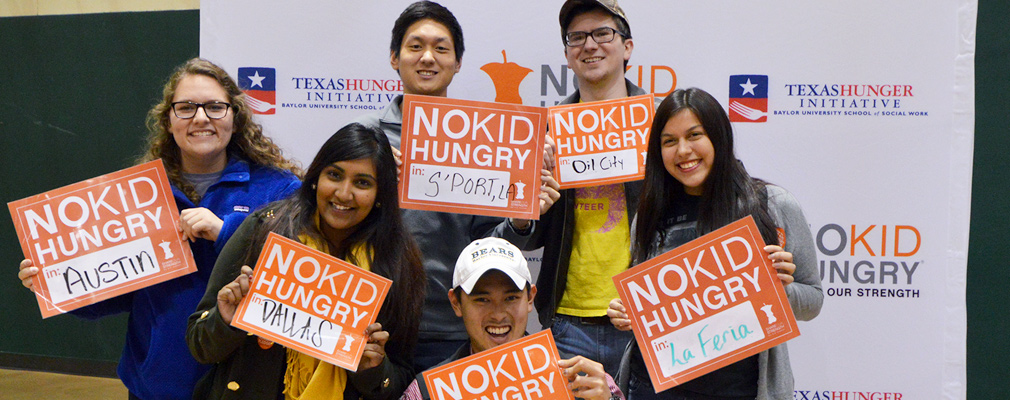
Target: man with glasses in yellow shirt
(586, 235)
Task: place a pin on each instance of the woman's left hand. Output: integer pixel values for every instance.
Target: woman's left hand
(375, 349)
(199, 223)
(783, 262)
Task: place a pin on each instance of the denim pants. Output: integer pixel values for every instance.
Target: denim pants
(601, 343)
(640, 388)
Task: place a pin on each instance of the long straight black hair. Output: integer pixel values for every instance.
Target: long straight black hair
(728, 193)
(392, 252)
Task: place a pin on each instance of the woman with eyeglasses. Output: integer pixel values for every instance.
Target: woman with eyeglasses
(221, 168)
(694, 184)
(347, 207)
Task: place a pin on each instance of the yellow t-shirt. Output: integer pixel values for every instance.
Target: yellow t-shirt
(600, 249)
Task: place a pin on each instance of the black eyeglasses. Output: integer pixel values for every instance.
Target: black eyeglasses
(600, 35)
(187, 109)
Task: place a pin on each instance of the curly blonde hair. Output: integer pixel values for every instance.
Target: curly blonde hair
(247, 140)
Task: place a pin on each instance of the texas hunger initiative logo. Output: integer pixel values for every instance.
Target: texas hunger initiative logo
(748, 98)
(260, 87)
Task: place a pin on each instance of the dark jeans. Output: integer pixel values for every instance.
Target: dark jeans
(601, 343)
(640, 388)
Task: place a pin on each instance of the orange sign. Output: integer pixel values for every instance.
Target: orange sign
(706, 304)
(602, 142)
(102, 237)
(523, 369)
(472, 157)
(312, 302)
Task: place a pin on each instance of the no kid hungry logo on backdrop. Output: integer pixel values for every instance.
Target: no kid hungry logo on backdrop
(870, 260)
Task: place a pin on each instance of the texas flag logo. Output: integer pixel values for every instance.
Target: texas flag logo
(260, 87)
(748, 98)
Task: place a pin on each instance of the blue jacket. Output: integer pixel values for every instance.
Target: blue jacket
(156, 363)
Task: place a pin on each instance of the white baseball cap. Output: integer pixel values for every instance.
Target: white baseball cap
(483, 255)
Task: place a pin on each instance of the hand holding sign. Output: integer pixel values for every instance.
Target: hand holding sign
(549, 188)
(399, 163)
(199, 223)
(549, 192)
(27, 272)
(618, 315)
(783, 262)
(586, 378)
(375, 350)
(229, 297)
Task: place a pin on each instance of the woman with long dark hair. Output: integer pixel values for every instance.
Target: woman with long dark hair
(347, 207)
(694, 184)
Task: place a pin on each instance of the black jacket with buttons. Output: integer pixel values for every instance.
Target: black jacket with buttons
(244, 370)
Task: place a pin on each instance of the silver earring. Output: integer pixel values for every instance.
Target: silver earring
(313, 186)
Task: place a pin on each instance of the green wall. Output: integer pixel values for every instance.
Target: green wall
(75, 90)
(988, 275)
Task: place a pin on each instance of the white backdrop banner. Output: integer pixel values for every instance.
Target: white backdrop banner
(862, 109)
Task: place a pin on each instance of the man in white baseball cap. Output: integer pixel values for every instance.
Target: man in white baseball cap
(488, 254)
(492, 292)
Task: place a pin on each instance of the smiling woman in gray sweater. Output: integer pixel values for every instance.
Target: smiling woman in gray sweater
(694, 184)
